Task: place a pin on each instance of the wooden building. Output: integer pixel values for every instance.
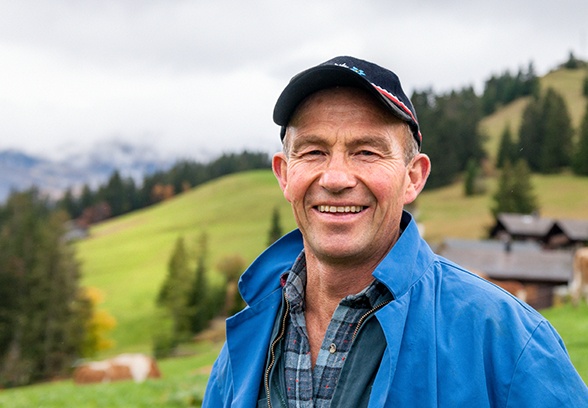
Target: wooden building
(512, 264)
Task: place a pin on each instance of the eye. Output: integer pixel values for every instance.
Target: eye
(312, 153)
(367, 154)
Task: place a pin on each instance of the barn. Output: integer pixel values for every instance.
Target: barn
(539, 271)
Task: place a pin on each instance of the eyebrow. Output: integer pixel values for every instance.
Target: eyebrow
(300, 142)
(379, 143)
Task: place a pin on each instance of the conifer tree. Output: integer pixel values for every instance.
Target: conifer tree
(545, 135)
(199, 297)
(515, 192)
(174, 292)
(275, 231)
(472, 179)
(531, 134)
(42, 313)
(557, 140)
(507, 150)
(232, 267)
(580, 163)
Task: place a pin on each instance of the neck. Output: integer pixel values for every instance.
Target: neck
(328, 283)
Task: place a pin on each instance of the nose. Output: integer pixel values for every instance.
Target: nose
(337, 175)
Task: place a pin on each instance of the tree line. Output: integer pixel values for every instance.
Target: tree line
(452, 138)
(120, 195)
(47, 320)
(546, 139)
(450, 121)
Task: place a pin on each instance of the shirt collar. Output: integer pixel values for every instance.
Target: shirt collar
(294, 285)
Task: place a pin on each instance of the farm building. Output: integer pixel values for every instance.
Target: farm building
(550, 232)
(524, 265)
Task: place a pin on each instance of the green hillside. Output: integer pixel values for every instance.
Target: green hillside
(565, 81)
(127, 257)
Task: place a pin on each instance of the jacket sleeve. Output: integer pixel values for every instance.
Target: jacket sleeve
(219, 390)
(544, 375)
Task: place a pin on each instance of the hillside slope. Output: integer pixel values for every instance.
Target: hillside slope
(565, 81)
(127, 257)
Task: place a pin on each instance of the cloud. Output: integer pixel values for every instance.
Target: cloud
(198, 76)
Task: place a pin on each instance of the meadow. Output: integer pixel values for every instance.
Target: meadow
(126, 259)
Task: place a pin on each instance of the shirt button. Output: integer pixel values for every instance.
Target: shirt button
(332, 348)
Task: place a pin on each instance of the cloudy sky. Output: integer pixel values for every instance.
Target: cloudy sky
(201, 77)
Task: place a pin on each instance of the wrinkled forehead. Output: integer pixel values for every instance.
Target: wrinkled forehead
(342, 106)
(340, 100)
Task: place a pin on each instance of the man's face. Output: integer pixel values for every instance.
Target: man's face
(346, 177)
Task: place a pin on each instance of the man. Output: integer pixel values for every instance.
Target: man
(353, 309)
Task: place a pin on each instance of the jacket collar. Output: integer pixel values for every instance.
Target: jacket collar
(263, 275)
(407, 261)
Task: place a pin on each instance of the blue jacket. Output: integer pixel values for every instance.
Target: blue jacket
(453, 339)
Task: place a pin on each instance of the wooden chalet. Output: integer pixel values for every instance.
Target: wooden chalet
(525, 264)
(549, 232)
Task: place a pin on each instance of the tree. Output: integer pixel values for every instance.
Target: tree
(572, 62)
(531, 134)
(507, 150)
(585, 86)
(43, 314)
(232, 267)
(450, 125)
(580, 163)
(545, 135)
(557, 140)
(97, 326)
(515, 191)
(473, 183)
(174, 292)
(275, 231)
(198, 300)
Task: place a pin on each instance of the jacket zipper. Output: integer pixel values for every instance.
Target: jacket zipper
(273, 353)
(366, 315)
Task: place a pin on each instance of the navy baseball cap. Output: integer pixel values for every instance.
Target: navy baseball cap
(382, 83)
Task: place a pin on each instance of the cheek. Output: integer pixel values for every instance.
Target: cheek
(297, 184)
(388, 190)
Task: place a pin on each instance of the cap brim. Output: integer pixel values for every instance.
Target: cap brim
(323, 77)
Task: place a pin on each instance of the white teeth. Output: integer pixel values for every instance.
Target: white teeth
(335, 209)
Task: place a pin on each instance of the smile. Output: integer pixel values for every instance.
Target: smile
(340, 209)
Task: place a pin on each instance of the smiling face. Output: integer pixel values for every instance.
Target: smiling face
(346, 176)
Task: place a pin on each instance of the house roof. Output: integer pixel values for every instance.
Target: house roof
(525, 261)
(576, 230)
(523, 224)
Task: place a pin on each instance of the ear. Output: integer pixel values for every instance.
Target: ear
(280, 169)
(418, 172)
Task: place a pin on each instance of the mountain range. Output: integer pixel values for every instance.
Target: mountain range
(77, 167)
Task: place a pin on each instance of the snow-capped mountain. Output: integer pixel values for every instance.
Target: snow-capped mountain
(76, 167)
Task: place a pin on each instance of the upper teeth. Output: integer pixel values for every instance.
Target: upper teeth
(345, 209)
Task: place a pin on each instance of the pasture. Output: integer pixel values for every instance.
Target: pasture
(182, 385)
(126, 258)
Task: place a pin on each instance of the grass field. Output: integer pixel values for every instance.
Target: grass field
(126, 258)
(182, 385)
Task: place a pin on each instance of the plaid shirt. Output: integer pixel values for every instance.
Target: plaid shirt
(307, 387)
